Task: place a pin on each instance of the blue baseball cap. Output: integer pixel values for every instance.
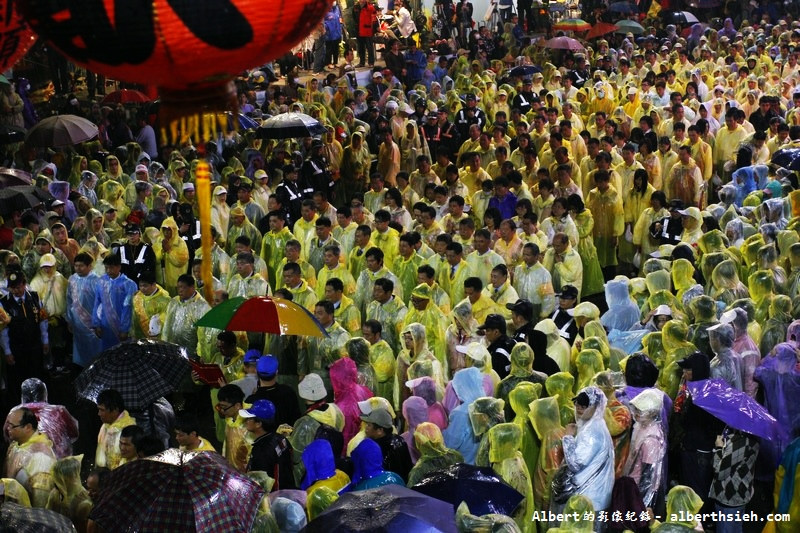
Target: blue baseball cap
(267, 365)
(252, 356)
(263, 409)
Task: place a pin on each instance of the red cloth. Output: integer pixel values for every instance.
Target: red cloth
(366, 19)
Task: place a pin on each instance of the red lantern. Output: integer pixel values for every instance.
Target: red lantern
(16, 37)
(189, 49)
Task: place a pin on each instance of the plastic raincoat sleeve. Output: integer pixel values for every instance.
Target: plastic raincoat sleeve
(490, 523)
(13, 491)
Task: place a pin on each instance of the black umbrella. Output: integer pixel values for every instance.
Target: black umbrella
(142, 371)
(391, 508)
(42, 194)
(11, 134)
(10, 177)
(681, 17)
(20, 519)
(484, 491)
(625, 8)
(12, 199)
(524, 70)
(290, 126)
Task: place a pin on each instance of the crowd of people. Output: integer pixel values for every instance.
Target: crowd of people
(522, 272)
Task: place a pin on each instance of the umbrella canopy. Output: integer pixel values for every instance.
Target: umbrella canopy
(61, 131)
(785, 156)
(625, 8)
(600, 29)
(290, 126)
(12, 199)
(247, 123)
(563, 43)
(126, 96)
(625, 26)
(42, 194)
(524, 70)
(178, 491)
(484, 491)
(572, 25)
(263, 314)
(11, 134)
(21, 519)
(392, 508)
(736, 409)
(142, 371)
(681, 17)
(10, 177)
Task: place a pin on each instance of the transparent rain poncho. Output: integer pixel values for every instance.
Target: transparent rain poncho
(589, 363)
(520, 400)
(459, 435)
(68, 497)
(639, 291)
(560, 386)
(290, 515)
(774, 331)
(599, 344)
(773, 210)
(623, 313)
(793, 283)
(546, 420)
(490, 523)
(734, 230)
(557, 346)
(464, 323)
(762, 289)
(13, 491)
(712, 241)
(419, 352)
(753, 327)
(617, 416)
(433, 453)
(264, 521)
(769, 232)
(505, 441)
(648, 445)
(726, 364)
(726, 284)
(593, 328)
(589, 455)
(708, 263)
(786, 238)
(484, 414)
(357, 349)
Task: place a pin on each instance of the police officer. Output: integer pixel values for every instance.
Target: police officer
(136, 256)
(468, 115)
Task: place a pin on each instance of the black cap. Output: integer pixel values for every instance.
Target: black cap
(527, 79)
(131, 229)
(523, 308)
(568, 292)
(675, 204)
(494, 321)
(582, 399)
(470, 96)
(691, 360)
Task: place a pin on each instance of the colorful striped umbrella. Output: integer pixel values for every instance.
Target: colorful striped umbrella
(572, 25)
(263, 314)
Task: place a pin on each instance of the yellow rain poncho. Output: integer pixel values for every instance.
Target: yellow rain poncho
(560, 385)
(319, 500)
(490, 523)
(609, 223)
(484, 414)
(107, 454)
(681, 500)
(68, 497)
(145, 307)
(557, 346)
(14, 492)
(520, 401)
(580, 506)
(726, 284)
(505, 441)
(682, 276)
(318, 353)
(588, 248)
(780, 316)
(172, 254)
(246, 228)
(762, 286)
(589, 363)
(676, 345)
(418, 351)
(31, 464)
(545, 418)
(433, 319)
(382, 360)
(272, 252)
(433, 453)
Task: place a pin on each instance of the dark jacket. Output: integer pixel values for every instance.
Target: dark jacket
(500, 351)
(287, 408)
(272, 454)
(395, 455)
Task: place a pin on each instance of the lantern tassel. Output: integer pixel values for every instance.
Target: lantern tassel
(204, 203)
(190, 114)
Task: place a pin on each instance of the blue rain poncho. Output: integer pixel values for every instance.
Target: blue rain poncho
(748, 180)
(368, 472)
(459, 436)
(319, 463)
(289, 515)
(589, 455)
(623, 313)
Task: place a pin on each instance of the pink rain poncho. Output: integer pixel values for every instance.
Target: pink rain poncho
(415, 412)
(347, 393)
(425, 388)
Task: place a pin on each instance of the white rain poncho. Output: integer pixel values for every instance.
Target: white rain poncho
(623, 313)
(588, 456)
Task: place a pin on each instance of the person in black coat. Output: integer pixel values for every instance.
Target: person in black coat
(500, 344)
(283, 397)
(271, 452)
(396, 457)
(136, 256)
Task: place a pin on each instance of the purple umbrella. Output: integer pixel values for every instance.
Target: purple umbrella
(735, 408)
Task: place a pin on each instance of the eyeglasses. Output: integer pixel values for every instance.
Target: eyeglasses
(12, 426)
(222, 408)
